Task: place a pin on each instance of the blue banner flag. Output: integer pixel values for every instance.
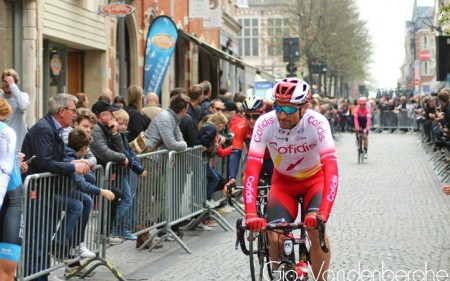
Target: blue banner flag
(161, 40)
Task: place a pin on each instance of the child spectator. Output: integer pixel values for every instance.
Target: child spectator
(78, 145)
(209, 138)
(129, 192)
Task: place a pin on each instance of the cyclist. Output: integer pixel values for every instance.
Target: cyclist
(253, 107)
(301, 146)
(10, 198)
(363, 116)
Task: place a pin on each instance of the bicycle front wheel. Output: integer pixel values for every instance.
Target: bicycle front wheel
(260, 268)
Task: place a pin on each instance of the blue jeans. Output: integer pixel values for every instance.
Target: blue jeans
(124, 206)
(74, 209)
(213, 178)
(132, 214)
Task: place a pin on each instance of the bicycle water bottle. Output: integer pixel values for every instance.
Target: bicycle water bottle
(302, 270)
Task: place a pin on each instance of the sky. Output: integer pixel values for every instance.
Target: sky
(386, 23)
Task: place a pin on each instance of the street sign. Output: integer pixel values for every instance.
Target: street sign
(117, 9)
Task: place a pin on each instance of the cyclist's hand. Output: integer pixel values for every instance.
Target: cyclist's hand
(365, 131)
(255, 223)
(357, 129)
(310, 222)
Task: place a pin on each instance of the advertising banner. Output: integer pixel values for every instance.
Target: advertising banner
(161, 40)
(215, 15)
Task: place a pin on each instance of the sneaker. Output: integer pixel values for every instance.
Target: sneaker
(84, 252)
(128, 236)
(211, 204)
(204, 227)
(210, 223)
(365, 155)
(114, 240)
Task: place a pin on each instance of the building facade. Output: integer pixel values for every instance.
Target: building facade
(69, 46)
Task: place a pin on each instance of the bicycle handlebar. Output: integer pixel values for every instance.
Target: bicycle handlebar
(241, 228)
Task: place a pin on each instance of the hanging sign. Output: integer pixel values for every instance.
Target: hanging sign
(117, 9)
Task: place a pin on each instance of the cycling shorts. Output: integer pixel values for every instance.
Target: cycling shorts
(282, 204)
(11, 225)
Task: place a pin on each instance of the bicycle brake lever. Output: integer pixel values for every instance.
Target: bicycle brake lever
(321, 230)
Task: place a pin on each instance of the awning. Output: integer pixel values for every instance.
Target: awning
(224, 55)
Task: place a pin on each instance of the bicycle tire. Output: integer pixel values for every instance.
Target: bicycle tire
(260, 268)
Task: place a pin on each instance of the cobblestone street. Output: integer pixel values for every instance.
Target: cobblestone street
(390, 216)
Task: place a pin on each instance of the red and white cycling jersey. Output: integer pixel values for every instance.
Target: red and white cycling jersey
(299, 152)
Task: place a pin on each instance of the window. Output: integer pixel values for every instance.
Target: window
(249, 37)
(425, 68)
(277, 29)
(424, 43)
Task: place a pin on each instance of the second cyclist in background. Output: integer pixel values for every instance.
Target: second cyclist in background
(253, 107)
(363, 116)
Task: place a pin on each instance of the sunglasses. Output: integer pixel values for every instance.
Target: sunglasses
(4, 120)
(252, 116)
(219, 109)
(287, 109)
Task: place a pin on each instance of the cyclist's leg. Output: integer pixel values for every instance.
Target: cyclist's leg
(320, 261)
(11, 229)
(366, 141)
(282, 206)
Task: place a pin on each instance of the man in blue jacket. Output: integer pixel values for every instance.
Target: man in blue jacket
(44, 140)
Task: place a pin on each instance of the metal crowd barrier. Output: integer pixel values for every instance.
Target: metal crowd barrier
(393, 120)
(186, 192)
(49, 241)
(146, 207)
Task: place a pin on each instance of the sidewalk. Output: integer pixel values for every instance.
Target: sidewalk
(144, 265)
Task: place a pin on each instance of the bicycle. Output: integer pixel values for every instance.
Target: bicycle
(361, 146)
(289, 269)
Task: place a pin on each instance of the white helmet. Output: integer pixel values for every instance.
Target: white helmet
(292, 90)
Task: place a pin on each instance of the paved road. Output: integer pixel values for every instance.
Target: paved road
(390, 217)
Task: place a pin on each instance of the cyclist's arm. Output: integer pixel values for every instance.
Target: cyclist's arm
(330, 171)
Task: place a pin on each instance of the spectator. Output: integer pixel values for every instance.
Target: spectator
(86, 121)
(187, 125)
(44, 140)
(215, 105)
(231, 113)
(108, 93)
(19, 102)
(78, 146)
(209, 139)
(107, 145)
(119, 102)
(138, 121)
(128, 187)
(164, 132)
(195, 94)
(82, 101)
(152, 107)
(207, 93)
(239, 97)
(10, 197)
(446, 189)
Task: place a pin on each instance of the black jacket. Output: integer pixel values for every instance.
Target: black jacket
(138, 122)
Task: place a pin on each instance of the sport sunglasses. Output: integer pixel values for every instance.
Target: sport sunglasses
(252, 116)
(287, 109)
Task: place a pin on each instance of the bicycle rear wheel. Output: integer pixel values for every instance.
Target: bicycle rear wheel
(260, 268)
(360, 151)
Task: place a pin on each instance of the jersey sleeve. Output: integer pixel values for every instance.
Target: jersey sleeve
(7, 160)
(369, 117)
(328, 160)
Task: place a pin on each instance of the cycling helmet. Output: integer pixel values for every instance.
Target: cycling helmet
(254, 104)
(292, 90)
(362, 100)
